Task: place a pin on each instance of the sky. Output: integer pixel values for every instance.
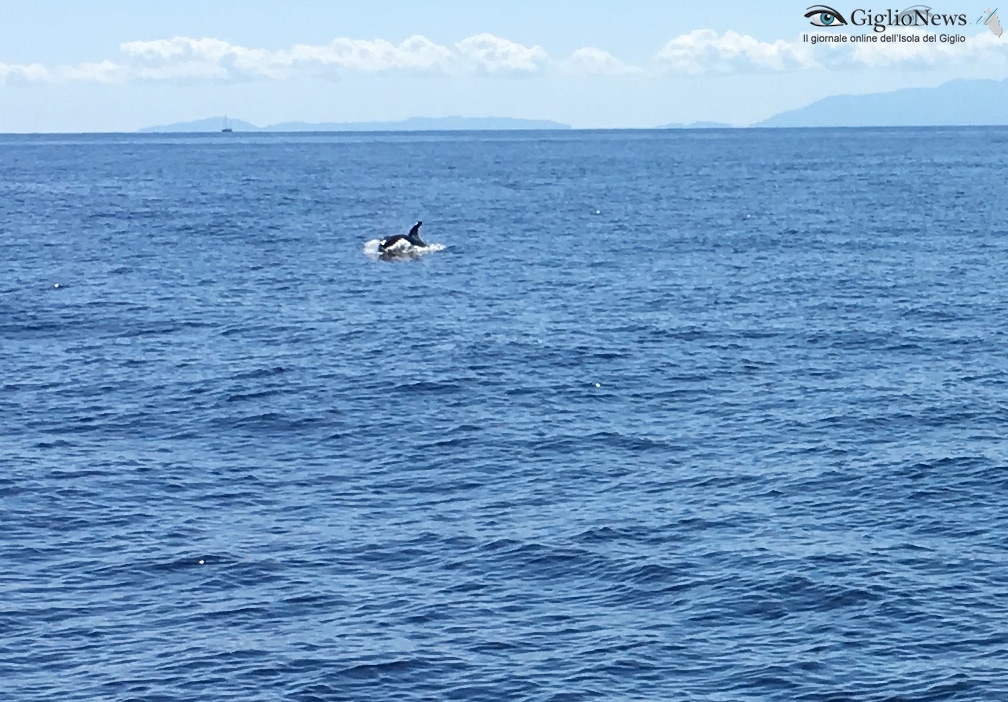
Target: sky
(113, 65)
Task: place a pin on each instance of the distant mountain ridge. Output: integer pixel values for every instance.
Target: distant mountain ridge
(215, 124)
(956, 103)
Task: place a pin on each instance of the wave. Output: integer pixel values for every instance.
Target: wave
(399, 251)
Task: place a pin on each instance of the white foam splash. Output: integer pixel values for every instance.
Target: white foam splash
(399, 250)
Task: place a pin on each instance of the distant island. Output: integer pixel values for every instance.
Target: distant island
(213, 124)
(956, 103)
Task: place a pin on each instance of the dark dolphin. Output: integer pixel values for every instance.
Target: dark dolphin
(412, 238)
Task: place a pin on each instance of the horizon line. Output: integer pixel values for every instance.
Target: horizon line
(231, 135)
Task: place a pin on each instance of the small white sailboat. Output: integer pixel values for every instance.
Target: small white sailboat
(227, 126)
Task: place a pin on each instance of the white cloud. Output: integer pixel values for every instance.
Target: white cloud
(23, 72)
(212, 58)
(184, 57)
(415, 53)
(591, 61)
(104, 72)
(704, 51)
(701, 51)
(188, 59)
(982, 49)
(495, 55)
(199, 59)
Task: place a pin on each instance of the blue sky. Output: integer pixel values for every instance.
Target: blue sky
(118, 66)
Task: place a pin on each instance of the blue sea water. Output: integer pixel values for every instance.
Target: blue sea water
(680, 415)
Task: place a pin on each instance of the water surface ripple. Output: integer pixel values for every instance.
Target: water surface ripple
(679, 415)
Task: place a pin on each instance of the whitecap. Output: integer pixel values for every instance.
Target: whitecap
(398, 251)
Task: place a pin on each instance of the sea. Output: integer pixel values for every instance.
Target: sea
(664, 415)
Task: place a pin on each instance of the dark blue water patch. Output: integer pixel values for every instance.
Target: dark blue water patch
(673, 415)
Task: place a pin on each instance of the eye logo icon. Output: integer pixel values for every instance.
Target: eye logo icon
(824, 16)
